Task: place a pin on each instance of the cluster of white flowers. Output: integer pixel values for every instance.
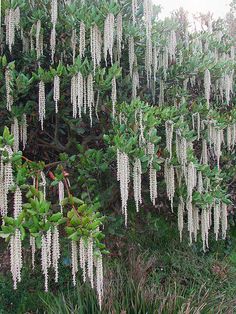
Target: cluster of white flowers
(39, 40)
(169, 127)
(56, 91)
(152, 174)
(137, 183)
(61, 194)
(8, 82)
(12, 21)
(172, 45)
(135, 83)
(181, 217)
(109, 36)
(123, 176)
(197, 124)
(23, 131)
(82, 257)
(74, 93)
(73, 44)
(119, 35)
(134, 10)
(54, 16)
(207, 86)
(42, 103)
(169, 174)
(90, 96)
(113, 96)
(95, 45)
(33, 250)
(16, 257)
(82, 39)
(16, 133)
(131, 55)
(55, 251)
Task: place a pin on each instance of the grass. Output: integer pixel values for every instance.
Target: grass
(148, 271)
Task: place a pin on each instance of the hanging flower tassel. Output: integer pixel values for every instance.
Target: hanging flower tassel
(44, 260)
(56, 91)
(74, 260)
(113, 96)
(90, 261)
(61, 193)
(16, 133)
(207, 86)
(55, 251)
(119, 35)
(109, 36)
(74, 91)
(16, 257)
(82, 257)
(80, 93)
(123, 176)
(181, 218)
(8, 82)
(224, 220)
(90, 97)
(99, 279)
(23, 131)
(42, 103)
(33, 250)
(137, 183)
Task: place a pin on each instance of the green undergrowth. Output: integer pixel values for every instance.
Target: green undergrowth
(148, 271)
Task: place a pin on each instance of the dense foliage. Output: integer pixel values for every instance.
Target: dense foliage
(95, 92)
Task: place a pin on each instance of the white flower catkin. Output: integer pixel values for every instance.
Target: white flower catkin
(169, 175)
(172, 45)
(217, 214)
(38, 39)
(16, 133)
(44, 260)
(56, 91)
(55, 251)
(82, 44)
(224, 219)
(74, 260)
(80, 93)
(23, 131)
(123, 176)
(42, 103)
(169, 128)
(119, 35)
(90, 97)
(8, 171)
(8, 82)
(90, 261)
(17, 202)
(207, 86)
(53, 42)
(109, 36)
(73, 44)
(99, 279)
(61, 194)
(33, 250)
(137, 183)
(131, 55)
(82, 257)
(74, 91)
(16, 257)
(95, 46)
(134, 10)
(152, 174)
(113, 96)
(181, 217)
